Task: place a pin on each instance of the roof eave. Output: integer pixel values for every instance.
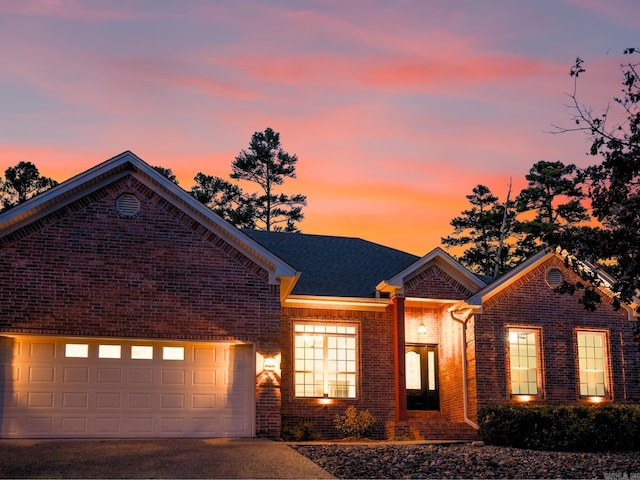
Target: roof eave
(336, 303)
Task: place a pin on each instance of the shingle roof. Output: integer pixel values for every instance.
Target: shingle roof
(334, 266)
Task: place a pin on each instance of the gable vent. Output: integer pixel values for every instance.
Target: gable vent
(554, 278)
(127, 204)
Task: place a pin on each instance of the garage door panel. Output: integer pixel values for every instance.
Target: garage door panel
(109, 375)
(75, 400)
(172, 377)
(108, 400)
(13, 374)
(40, 400)
(92, 393)
(143, 376)
(12, 401)
(10, 425)
(204, 401)
(172, 425)
(108, 426)
(73, 425)
(172, 400)
(204, 378)
(205, 426)
(234, 402)
(203, 354)
(75, 375)
(39, 426)
(141, 400)
(41, 350)
(140, 425)
(40, 374)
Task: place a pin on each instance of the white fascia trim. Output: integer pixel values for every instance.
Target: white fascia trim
(336, 303)
(39, 206)
(435, 255)
(507, 279)
(409, 301)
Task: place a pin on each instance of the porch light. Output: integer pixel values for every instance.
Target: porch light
(422, 329)
(325, 400)
(269, 363)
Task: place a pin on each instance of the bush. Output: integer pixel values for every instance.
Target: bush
(300, 432)
(565, 428)
(354, 424)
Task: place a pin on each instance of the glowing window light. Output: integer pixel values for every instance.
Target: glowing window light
(76, 350)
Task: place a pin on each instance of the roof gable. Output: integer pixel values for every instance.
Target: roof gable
(461, 282)
(521, 273)
(125, 164)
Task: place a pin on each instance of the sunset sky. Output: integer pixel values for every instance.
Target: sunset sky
(395, 109)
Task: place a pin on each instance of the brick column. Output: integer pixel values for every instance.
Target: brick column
(399, 346)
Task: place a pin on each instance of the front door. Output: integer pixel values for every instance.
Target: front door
(421, 366)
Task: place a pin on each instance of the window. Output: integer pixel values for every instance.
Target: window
(141, 352)
(591, 364)
(109, 351)
(173, 353)
(523, 360)
(325, 361)
(76, 350)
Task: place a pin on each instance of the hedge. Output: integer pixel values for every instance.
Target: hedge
(596, 428)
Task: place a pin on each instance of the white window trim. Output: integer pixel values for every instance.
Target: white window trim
(606, 362)
(327, 389)
(540, 370)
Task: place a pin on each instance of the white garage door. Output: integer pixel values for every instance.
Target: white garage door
(80, 387)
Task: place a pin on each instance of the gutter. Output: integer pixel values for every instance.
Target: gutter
(465, 390)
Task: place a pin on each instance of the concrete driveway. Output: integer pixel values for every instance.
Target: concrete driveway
(154, 458)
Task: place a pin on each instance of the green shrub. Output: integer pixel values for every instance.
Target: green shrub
(565, 428)
(354, 424)
(300, 432)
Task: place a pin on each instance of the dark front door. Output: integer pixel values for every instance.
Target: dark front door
(421, 368)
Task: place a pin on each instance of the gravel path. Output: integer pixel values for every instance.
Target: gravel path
(466, 461)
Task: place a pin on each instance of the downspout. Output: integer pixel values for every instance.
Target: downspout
(465, 391)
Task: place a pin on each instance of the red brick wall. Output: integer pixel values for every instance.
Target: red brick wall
(531, 302)
(434, 282)
(86, 270)
(376, 370)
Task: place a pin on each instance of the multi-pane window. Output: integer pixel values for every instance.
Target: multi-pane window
(325, 361)
(591, 364)
(523, 359)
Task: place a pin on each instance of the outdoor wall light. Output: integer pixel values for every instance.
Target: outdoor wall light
(422, 328)
(326, 400)
(595, 399)
(269, 363)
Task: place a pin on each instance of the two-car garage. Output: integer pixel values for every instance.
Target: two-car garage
(107, 387)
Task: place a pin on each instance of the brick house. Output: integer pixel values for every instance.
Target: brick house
(129, 309)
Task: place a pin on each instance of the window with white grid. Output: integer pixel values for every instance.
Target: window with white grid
(325, 360)
(523, 359)
(592, 364)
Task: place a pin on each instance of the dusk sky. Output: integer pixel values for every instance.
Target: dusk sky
(395, 109)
